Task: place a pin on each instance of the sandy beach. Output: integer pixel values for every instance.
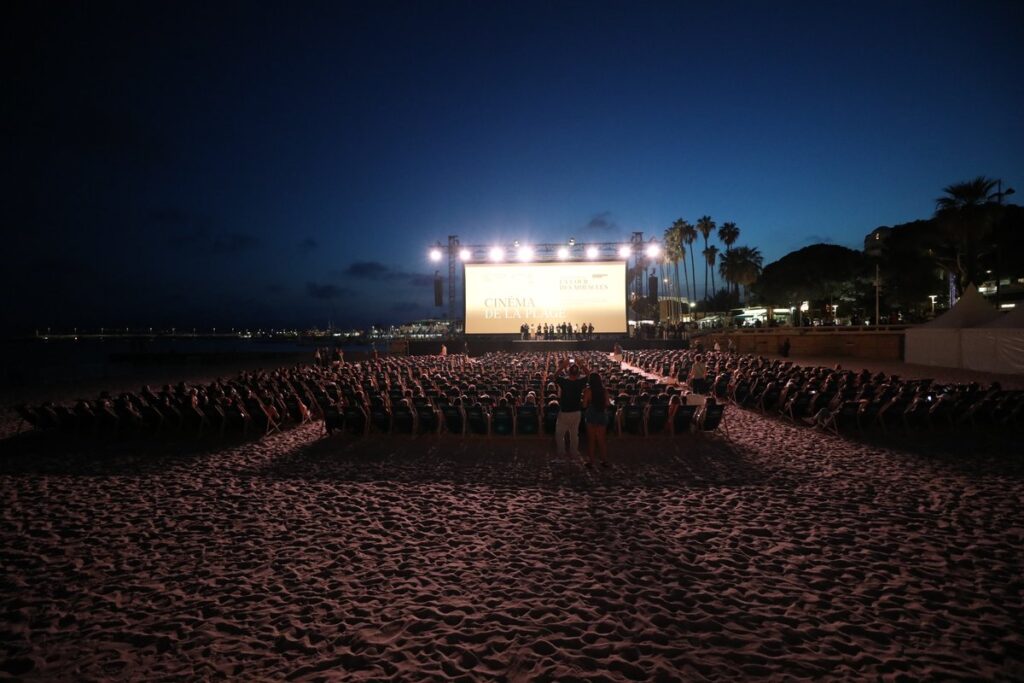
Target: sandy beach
(782, 552)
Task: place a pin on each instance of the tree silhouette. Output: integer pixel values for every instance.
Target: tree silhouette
(747, 262)
(965, 215)
(728, 233)
(711, 255)
(705, 226)
(689, 235)
(675, 251)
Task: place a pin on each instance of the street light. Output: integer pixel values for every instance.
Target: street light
(933, 297)
(999, 194)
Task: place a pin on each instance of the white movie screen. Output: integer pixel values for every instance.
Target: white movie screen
(501, 297)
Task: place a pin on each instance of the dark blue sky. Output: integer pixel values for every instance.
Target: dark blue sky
(271, 164)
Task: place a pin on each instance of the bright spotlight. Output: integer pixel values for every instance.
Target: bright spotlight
(435, 254)
(652, 250)
(497, 253)
(563, 253)
(592, 252)
(525, 252)
(625, 252)
(465, 254)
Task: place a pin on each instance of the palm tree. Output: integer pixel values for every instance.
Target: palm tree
(711, 255)
(964, 215)
(728, 233)
(688, 235)
(728, 267)
(747, 261)
(674, 251)
(705, 226)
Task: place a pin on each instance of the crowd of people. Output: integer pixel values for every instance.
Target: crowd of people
(500, 393)
(838, 400)
(547, 331)
(557, 394)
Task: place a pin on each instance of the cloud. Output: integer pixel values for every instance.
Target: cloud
(308, 244)
(420, 279)
(601, 221)
(325, 291)
(367, 270)
(183, 230)
(374, 270)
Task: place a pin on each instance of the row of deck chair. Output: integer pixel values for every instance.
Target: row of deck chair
(478, 420)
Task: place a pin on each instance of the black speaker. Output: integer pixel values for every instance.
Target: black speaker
(652, 288)
(438, 291)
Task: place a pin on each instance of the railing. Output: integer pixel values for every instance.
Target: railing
(813, 329)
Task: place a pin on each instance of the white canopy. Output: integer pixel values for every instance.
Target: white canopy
(1012, 318)
(970, 311)
(939, 342)
(997, 346)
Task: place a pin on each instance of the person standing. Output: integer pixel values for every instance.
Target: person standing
(570, 401)
(698, 375)
(595, 415)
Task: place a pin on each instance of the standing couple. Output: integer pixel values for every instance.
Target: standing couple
(586, 398)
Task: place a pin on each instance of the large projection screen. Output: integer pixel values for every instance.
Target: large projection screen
(501, 297)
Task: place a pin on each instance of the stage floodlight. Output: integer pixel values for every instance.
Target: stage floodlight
(652, 250)
(435, 254)
(572, 241)
(625, 251)
(563, 253)
(465, 254)
(497, 253)
(592, 252)
(525, 252)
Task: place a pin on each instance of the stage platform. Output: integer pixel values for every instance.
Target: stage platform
(479, 345)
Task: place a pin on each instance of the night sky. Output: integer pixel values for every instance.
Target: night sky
(290, 163)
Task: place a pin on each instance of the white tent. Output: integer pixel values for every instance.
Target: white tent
(997, 346)
(938, 342)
